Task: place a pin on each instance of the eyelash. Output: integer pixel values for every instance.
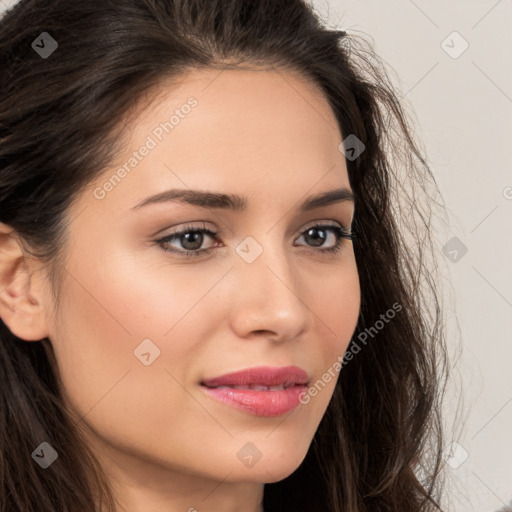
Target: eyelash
(341, 233)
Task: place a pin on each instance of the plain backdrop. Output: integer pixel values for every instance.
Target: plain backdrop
(453, 61)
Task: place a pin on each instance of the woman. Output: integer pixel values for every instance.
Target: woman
(214, 289)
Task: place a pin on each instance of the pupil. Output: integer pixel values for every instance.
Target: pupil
(317, 240)
(186, 239)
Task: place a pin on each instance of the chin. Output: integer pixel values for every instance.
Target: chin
(270, 469)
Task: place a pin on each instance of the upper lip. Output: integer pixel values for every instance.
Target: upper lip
(261, 375)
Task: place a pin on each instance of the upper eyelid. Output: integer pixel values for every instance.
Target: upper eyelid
(326, 223)
(217, 233)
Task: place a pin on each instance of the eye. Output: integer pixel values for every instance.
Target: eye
(338, 232)
(191, 238)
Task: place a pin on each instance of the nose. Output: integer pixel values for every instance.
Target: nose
(267, 298)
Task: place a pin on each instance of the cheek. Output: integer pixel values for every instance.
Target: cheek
(336, 307)
(99, 337)
(113, 391)
(110, 312)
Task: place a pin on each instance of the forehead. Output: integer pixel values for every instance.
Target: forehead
(231, 130)
(265, 108)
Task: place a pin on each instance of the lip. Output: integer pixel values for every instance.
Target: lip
(260, 375)
(259, 402)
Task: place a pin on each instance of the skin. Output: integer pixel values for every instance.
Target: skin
(267, 135)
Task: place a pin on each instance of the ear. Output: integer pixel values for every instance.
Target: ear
(22, 306)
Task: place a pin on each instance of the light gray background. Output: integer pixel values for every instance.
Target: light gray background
(463, 114)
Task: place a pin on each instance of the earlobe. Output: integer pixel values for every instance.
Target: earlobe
(21, 305)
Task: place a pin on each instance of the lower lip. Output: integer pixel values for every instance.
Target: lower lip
(259, 403)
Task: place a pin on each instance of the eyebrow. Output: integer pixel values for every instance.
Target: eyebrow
(235, 202)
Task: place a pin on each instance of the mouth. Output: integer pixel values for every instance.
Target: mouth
(261, 391)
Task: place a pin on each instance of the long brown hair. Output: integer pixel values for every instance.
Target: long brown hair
(379, 446)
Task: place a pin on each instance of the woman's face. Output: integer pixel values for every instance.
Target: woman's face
(140, 328)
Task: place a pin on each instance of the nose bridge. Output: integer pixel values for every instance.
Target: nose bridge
(269, 295)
